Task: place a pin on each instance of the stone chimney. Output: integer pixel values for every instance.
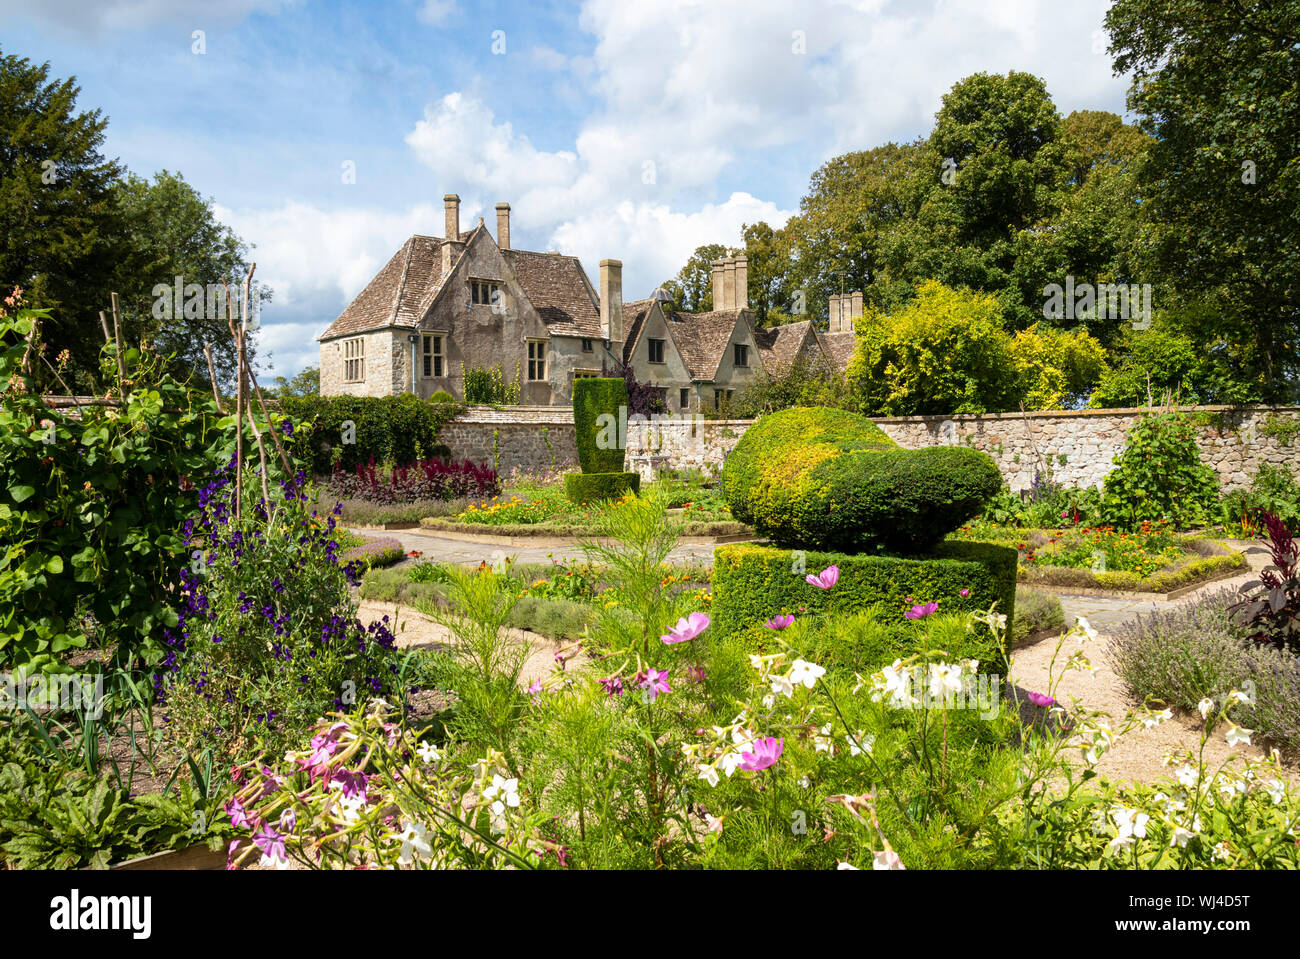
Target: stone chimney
(451, 213)
(503, 225)
(719, 267)
(741, 301)
(611, 300)
(855, 310)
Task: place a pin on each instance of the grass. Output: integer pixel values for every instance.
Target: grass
(1195, 651)
(1036, 612)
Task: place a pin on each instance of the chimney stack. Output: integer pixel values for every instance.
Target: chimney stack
(451, 209)
(719, 267)
(833, 314)
(503, 225)
(611, 300)
(855, 310)
(741, 300)
(728, 285)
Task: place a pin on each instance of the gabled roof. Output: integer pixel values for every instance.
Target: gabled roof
(838, 348)
(780, 346)
(559, 290)
(634, 315)
(702, 339)
(403, 291)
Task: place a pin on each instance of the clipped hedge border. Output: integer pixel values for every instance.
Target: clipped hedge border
(592, 487)
(752, 583)
(374, 553)
(578, 530)
(1211, 561)
(401, 428)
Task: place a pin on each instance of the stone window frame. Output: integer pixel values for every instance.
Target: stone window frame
(719, 396)
(434, 361)
(354, 356)
(684, 397)
(740, 355)
(537, 361)
(587, 345)
(662, 346)
(482, 292)
(583, 374)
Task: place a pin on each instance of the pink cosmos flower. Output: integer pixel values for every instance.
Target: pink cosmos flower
(656, 682)
(779, 622)
(688, 627)
(765, 753)
(825, 579)
(922, 611)
(1041, 699)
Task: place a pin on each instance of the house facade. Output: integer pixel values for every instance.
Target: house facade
(464, 300)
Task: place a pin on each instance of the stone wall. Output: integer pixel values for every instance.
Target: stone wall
(1078, 445)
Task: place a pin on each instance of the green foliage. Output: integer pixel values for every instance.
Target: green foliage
(398, 429)
(804, 384)
(1056, 370)
(595, 401)
(488, 386)
(692, 290)
(1159, 476)
(945, 352)
(1220, 189)
(91, 508)
(1036, 611)
(585, 488)
(832, 479)
(442, 396)
(306, 382)
(753, 583)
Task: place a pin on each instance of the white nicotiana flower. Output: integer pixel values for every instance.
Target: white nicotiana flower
(1223, 851)
(1187, 776)
(1086, 627)
(886, 859)
(1130, 823)
(1275, 789)
(503, 792)
(823, 743)
(846, 865)
(866, 742)
(709, 774)
(413, 842)
(1204, 706)
(805, 673)
(273, 862)
(428, 753)
(1151, 720)
(769, 701)
(1180, 837)
(803, 782)
(782, 685)
(1238, 696)
(1237, 734)
(944, 679)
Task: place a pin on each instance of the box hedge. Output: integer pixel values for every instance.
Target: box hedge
(592, 487)
(830, 479)
(752, 583)
(594, 397)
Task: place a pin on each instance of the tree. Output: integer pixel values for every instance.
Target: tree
(306, 382)
(768, 254)
(1055, 369)
(692, 290)
(56, 210)
(166, 229)
(1215, 85)
(945, 352)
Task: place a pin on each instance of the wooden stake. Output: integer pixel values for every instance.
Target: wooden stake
(212, 374)
(239, 402)
(103, 325)
(117, 338)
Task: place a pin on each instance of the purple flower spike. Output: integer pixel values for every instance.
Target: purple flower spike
(688, 627)
(825, 579)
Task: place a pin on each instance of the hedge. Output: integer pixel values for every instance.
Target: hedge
(752, 583)
(401, 428)
(592, 487)
(594, 397)
(829, 479)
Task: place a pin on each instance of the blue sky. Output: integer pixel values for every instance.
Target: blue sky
(633, 130)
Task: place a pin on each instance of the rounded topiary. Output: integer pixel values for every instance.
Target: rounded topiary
(442, 396)
(600, 446)
(829, 479)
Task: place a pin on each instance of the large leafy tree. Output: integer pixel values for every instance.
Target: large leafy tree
(56, 206)
(692, 289)
(1218, 87)
(167, 229)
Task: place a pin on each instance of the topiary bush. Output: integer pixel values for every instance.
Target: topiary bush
(442, 396)
(830, 479)
(1159, 477)
(752, 583)
(592, 487)
(594, 397)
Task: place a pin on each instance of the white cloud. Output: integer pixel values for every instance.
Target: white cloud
(434, 12)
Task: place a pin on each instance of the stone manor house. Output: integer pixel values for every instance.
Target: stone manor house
(466, 301)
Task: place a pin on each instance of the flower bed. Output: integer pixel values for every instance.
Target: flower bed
(427, 479)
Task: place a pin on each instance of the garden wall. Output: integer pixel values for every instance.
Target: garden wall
(1079, 444)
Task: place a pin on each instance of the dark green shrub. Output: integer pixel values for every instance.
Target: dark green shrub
(752, 583)
(594, 397)
(402, 428)
(830, 479)
(1159, 477)
(593, 487)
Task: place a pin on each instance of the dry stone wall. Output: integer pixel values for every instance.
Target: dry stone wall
(1078, 446)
